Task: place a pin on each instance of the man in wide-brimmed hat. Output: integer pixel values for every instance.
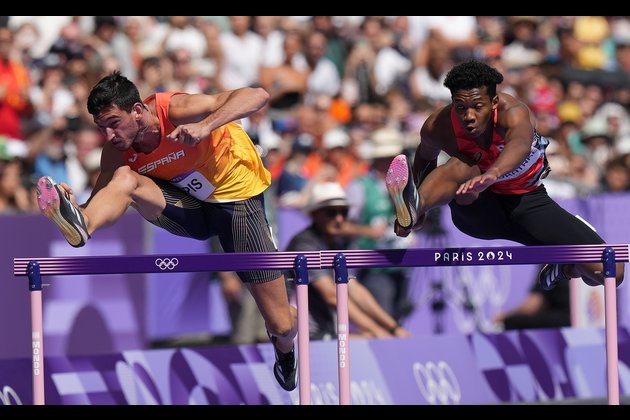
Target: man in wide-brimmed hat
(328, 208)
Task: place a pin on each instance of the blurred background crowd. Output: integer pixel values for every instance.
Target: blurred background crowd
(334, 82)
(348, 93)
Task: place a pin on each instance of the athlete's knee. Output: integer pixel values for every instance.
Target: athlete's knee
(283, 328)
(125, 179)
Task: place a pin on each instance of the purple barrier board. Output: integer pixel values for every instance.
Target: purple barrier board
(180, 304)
(526, 366)
(439, 371)
(82, 315)
(541, 365)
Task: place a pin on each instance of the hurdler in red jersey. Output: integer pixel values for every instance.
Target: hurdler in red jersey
(493, 180)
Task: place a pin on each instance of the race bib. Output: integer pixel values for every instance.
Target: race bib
(195, 184)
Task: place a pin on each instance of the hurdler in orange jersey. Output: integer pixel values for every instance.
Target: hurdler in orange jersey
(186, 166)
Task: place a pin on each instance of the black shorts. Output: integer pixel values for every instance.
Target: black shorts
(241, 226)
(532, 218)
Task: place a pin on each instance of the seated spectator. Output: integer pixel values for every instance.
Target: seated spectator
(328, 208)
(14, 197)
(540, 309)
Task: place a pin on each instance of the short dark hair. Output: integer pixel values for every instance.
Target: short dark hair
(114, 89)
(473, 74)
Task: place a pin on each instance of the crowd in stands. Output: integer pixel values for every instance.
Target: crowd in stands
(333, 81)
(336, 84)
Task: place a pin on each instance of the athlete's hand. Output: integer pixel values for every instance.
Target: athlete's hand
(477, 184)
(189, 134)
(68, 191)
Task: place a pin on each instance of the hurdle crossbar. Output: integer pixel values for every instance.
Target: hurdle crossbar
(340, 260)
(415, 257)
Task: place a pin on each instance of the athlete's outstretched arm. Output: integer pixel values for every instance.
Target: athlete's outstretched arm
(196, 116)
(518, 140)
(518, 143)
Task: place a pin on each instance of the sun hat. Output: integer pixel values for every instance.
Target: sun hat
(326, 194)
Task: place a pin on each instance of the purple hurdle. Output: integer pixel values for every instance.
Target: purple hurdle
(610, 321)
(608, 254)
(304, 354)
(37, 332)
(343, 328)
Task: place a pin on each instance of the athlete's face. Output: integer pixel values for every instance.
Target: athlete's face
(119, 127)
(474, 109)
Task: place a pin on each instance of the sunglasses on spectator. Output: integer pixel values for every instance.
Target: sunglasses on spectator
(334, 211)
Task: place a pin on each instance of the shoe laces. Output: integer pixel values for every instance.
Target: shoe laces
(286, 361)
(555, 274)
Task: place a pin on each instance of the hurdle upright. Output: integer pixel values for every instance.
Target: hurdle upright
(608, 254)
(37, 331)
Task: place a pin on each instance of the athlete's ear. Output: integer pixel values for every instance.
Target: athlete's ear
(495, 102)
(137, 110)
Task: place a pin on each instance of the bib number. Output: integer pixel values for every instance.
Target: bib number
(194, 184)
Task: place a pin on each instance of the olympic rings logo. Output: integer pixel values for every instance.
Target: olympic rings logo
(167, 263)
(437, 383)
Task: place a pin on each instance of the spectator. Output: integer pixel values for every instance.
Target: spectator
(616, 176)
(14, 197)
(14, 85)
(324, 77)
(328, 208)
(286, 81)
(242, 54)
(540, 309)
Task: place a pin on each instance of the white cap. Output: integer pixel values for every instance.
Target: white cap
(11, 148)
(385, 142)
(326, 194)
(335, 137)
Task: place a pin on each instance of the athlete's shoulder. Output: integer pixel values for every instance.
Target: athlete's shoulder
(438, 121)
(150, 98)
(513, 111)
(160, 99)
(165, 97)
(508, 102)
